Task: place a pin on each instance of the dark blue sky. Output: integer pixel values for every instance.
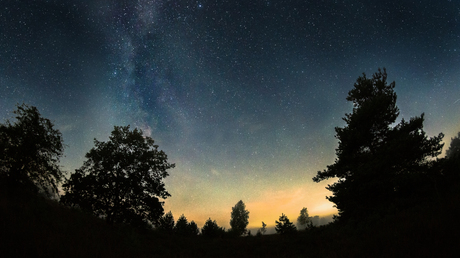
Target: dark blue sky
(242, 95)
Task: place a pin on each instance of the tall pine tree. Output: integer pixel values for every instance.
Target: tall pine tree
(378, 164)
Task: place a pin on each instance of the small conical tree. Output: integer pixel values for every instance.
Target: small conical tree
(181, 227)
(166, 223)
(211, 229)
(284, 226)
(193, 228)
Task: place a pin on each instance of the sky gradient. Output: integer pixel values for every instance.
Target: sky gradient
(243, 96)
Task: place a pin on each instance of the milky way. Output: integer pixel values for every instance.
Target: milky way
(242, 95)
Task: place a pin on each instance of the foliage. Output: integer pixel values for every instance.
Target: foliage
(454, 149)
(263, 229)
(181, 227)
(304, 220)
(284, 226)
(193, 228)
(166, 223)
(239, 219)
(30, 150)
(121, 180)
(376, 163)
(211, 229)
(184, 228)
(451, 167)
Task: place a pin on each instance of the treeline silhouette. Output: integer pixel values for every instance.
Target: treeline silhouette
(391, 183)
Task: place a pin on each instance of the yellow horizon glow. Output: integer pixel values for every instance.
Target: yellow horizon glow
(266, 206)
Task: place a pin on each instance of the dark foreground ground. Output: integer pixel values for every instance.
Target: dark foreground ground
(32, 226)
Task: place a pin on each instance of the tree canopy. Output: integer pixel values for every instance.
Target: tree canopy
(454, 149)
(377, 163)
(284, 225)
(263, 229)
(184, 228)
(304, 220)
(121, 179)
(166, 223)
(211, 229)
(30, 150)
(451, 167)
(239, 219)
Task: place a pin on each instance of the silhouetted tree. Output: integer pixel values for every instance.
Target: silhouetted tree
(451, 167)
(454, 149)
(284, 226)
(304, 220)
(165, 223)
(121, 180)
(181, 227)
(263, 229)
(211, 229)
(376, 163)
(239, 219)
(193, 228)
(30, 150)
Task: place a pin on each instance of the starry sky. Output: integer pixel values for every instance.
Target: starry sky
(243, 96)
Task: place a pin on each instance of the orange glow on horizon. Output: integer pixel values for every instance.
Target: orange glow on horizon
(267, 206)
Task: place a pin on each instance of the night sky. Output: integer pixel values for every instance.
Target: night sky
(243, 96)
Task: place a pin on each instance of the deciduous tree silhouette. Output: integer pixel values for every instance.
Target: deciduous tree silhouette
(30, 150)
(263, 229)
(454, 149)
(304, 220)
(284, 226)
(121, 180)
(239, 219)
(377, 163)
